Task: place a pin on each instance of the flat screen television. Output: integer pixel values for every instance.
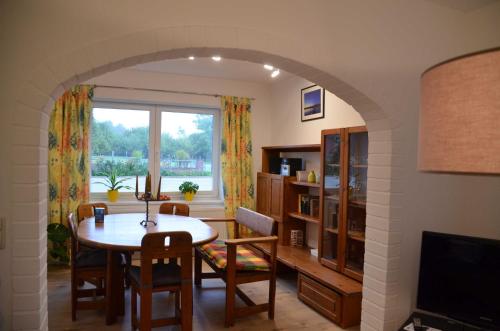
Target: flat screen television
(460, 278)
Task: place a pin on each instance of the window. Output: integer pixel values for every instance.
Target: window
(177, 143)
(186, 149)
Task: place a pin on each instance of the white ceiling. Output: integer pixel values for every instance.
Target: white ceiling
(206, 67)
(252, 72)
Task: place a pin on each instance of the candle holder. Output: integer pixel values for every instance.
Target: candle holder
(147, 196)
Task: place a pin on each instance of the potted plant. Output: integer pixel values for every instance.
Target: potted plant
(113, 184)
(58, 235)
(189, 189)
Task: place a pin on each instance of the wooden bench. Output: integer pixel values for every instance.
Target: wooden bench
(333, 294)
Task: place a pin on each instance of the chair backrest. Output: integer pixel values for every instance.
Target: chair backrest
(262, 224)
(153, 247)
(87, 210)
(173, 208)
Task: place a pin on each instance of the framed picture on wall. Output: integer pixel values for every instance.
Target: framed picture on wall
(312, 103)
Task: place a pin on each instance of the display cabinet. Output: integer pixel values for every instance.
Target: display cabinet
(331, 142)
(344, 166)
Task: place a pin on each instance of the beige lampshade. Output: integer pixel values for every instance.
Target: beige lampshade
(460, 115)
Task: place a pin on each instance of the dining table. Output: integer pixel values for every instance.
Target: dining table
(124, 232)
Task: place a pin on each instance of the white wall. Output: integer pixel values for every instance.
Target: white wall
(287, 128)
(261, 106)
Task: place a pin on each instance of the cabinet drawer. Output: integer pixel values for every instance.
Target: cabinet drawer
(319, 297)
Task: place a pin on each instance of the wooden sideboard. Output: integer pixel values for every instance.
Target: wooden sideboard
(331, 293)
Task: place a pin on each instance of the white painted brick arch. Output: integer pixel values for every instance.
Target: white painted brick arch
(30, 118)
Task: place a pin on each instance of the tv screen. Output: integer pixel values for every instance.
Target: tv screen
(460, 278)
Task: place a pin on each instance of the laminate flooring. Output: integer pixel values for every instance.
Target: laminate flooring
(290, 314)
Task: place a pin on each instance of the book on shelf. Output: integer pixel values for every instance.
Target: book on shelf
(304, 206)
(314, 206)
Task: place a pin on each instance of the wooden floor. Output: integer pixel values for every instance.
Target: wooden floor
(291, 314)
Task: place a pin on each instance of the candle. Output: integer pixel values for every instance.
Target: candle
(147, 189)
(159, 190)
(136, 186)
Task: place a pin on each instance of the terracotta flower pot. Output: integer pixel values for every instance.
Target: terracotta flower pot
(113, 195)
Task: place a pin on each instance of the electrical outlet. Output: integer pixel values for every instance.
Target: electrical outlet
(3, 230)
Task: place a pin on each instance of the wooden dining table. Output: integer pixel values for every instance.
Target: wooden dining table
(124, 232)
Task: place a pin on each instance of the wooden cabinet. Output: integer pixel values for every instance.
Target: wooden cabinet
(331, 291)
(320, 297)
(270, 189)
(344, 166)
(263, 193)
(276, 197)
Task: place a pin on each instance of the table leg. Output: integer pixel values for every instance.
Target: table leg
(110, 288)
(120, 288)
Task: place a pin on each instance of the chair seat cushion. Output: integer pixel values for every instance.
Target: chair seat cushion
(163, 274)
(93, 257)
(245, 258)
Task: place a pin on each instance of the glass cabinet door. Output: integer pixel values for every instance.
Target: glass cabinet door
(356, 202)
(331, 201)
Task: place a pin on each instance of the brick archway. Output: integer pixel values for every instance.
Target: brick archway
(52, 76)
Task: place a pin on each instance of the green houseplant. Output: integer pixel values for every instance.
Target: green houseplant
(113, 184)
(189, 189)
(58, 235)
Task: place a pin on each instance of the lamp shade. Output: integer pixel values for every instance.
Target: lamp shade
(460, 115)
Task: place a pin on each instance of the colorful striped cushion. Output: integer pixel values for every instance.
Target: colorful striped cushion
(245, 258)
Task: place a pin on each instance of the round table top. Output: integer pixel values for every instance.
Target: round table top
(123, 231)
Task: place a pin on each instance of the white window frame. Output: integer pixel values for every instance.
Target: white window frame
(155, 111)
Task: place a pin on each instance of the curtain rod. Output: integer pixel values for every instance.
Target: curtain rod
(163, 91)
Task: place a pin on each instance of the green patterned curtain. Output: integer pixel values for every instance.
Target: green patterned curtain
(69, 153)
(236, 156)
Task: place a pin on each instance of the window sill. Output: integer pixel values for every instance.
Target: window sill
(197, 205)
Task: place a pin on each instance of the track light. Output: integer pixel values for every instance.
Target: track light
(216, 58)
(268, 67)
(275, 73)
(191, 57)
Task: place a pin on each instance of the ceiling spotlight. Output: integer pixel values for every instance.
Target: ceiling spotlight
(191, 57)
(268, 67)
(275, 73)
(216, 58)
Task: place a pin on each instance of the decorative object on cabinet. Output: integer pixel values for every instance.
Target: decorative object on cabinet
(312, 103)
(289, 166)
(311, 178)
(343, 191)
(296, 238)
(302, 176)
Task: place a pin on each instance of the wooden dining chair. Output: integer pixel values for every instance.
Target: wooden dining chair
(90, 266)
(174, 208)
(150, 278)
(236, 262)
(86, 210)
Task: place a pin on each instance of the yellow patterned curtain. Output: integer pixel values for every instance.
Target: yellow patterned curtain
(69, 153)
(236, 156)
